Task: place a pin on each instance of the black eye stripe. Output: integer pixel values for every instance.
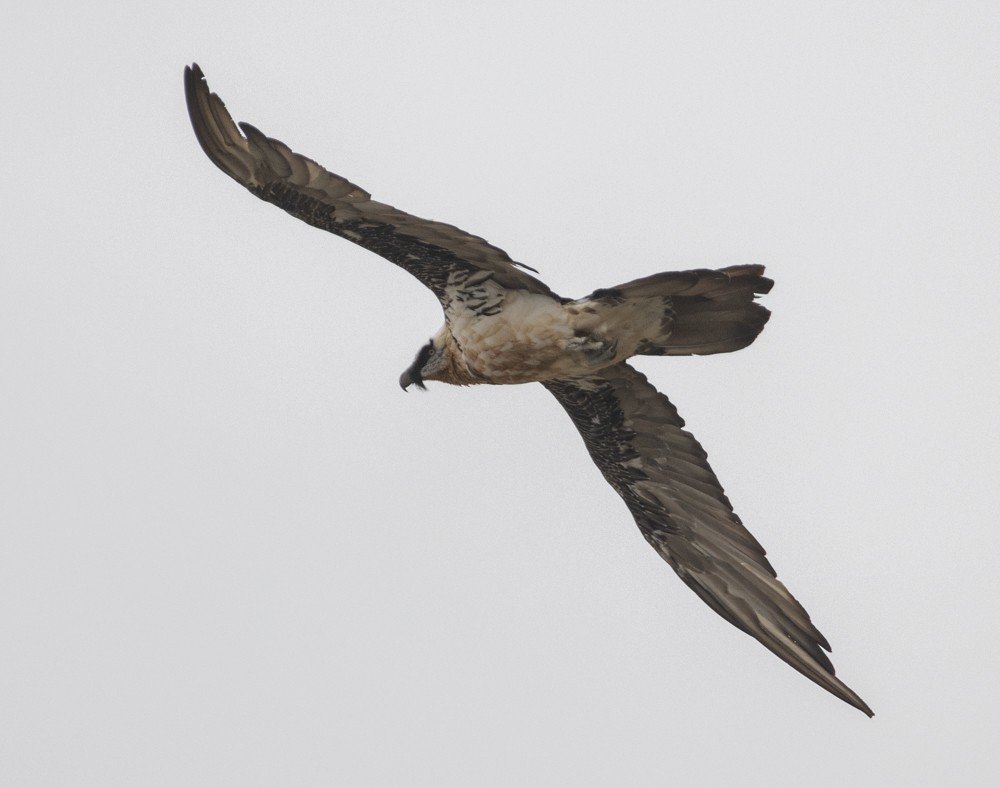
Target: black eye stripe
(423, 355)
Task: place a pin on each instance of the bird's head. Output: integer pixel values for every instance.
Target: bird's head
(429, 363)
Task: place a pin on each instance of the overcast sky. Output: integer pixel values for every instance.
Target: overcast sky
(235, 553)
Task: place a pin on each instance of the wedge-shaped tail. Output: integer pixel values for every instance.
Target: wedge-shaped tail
(704, 311)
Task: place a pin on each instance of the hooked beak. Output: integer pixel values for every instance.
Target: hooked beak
(413, 375)
(411, 378)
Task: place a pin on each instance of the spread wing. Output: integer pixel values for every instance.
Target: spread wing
(634, 435)
(431, 251)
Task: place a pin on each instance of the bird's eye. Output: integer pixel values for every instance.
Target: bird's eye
(425, 353)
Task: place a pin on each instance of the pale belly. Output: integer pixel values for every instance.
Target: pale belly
(534, 338)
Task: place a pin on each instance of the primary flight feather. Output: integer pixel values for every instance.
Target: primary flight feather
(502, 325)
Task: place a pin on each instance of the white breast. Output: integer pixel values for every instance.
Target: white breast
(532, 338)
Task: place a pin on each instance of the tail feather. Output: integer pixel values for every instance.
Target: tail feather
(705, 311)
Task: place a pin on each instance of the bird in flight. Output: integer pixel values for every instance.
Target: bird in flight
(502, 325)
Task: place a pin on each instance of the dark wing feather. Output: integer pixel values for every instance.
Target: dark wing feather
(634, 435)
(431, 251)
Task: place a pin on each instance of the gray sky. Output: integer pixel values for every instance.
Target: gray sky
(234, 553)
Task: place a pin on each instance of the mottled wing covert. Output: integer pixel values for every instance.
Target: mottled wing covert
(431, 251)
(636, 438)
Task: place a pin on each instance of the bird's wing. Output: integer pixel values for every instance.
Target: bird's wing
(437, 254)
(636, 438)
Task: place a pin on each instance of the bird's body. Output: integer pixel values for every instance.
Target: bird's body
(518, 338)
(523, 337)
(504, 326)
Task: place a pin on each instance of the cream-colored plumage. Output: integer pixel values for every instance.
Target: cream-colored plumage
(535, 337)
(504, 326)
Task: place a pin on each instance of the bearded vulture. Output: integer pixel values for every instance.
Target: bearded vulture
(502, 325)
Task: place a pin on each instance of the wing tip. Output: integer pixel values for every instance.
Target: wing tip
(852, 698)
(194, 81)
(214, 128)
